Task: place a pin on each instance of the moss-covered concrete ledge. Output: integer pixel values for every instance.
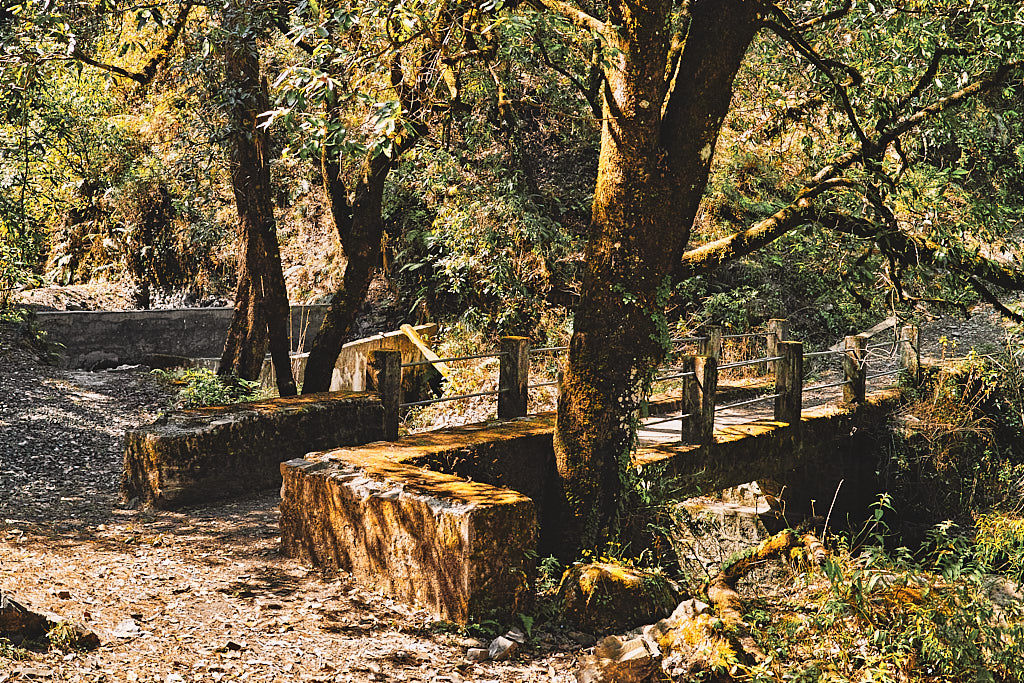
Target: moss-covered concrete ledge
(196, 456)
(460, 548)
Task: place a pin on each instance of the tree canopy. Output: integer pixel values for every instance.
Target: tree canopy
(615, 159)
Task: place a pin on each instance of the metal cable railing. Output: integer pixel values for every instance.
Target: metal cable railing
(667, 419)
(815, 387)
(753, 361)
(681, 375)
(737, 404)
(548, 349)
(443, 399)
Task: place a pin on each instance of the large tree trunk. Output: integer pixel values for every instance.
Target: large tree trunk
(261, 306)
(652, 173)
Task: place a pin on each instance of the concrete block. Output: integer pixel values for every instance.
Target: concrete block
(459, 548)
(191, 457)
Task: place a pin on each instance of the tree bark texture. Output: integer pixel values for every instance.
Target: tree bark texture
(261, 316)
(360, 227)
(658, 138)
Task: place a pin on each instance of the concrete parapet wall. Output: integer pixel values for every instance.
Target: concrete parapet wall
(457, 547)
(191, 457)
(110, 338)
(836, 442)
(350, 368)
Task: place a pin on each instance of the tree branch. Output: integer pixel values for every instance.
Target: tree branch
(824, 66)
(837, 13)
(149, 70)
(982, 84)
(573, 14)
(988, 296)
(588, 94)
(918, 250)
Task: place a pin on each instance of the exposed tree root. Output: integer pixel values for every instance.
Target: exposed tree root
(721, 590)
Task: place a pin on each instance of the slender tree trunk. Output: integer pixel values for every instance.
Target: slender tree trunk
(261, 307)
(652, 173)
(360, 228)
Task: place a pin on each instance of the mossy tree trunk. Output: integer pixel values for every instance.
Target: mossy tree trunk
(663, 109)
(261, 316)
(360, 227)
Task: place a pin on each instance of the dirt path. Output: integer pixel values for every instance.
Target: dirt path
(196, 596)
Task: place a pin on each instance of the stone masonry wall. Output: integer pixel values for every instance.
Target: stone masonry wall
(191, 457)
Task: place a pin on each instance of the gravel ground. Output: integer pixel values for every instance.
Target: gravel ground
(201, 595)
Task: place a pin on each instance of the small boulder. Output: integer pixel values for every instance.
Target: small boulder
(502, 648)
(18, 623)
(604, 598)
(477, 654)
(620, 661)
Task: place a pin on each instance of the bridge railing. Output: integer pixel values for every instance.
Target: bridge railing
(786, 360)
(697, 376)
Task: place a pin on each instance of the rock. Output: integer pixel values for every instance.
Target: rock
(603, 598)
(516, 635)
(618, 661)
(477, 654)
(127, 628)
(502, 648)
(19, 623)
(706, 531)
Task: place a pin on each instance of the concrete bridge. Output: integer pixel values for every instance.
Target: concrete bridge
(454, 519)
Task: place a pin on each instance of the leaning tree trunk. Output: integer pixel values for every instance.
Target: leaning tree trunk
(261, 308)
(360, 227)
(652, 173)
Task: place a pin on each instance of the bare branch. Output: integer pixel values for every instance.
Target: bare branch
(588, 94)
(837, 13)
(825, 66)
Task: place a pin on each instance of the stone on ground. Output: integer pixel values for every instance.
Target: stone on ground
(603, 598)
(19, 623)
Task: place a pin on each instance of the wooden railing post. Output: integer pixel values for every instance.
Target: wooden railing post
(777, 332)
(513, 377)
(855, 368)
(910, 352)
(690, 405)
(712, 345)
(706, 369)
(384, 371)
(789, 382)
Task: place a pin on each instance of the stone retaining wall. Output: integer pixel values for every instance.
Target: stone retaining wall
(191, 457)
(449, 519)
(107, 338)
